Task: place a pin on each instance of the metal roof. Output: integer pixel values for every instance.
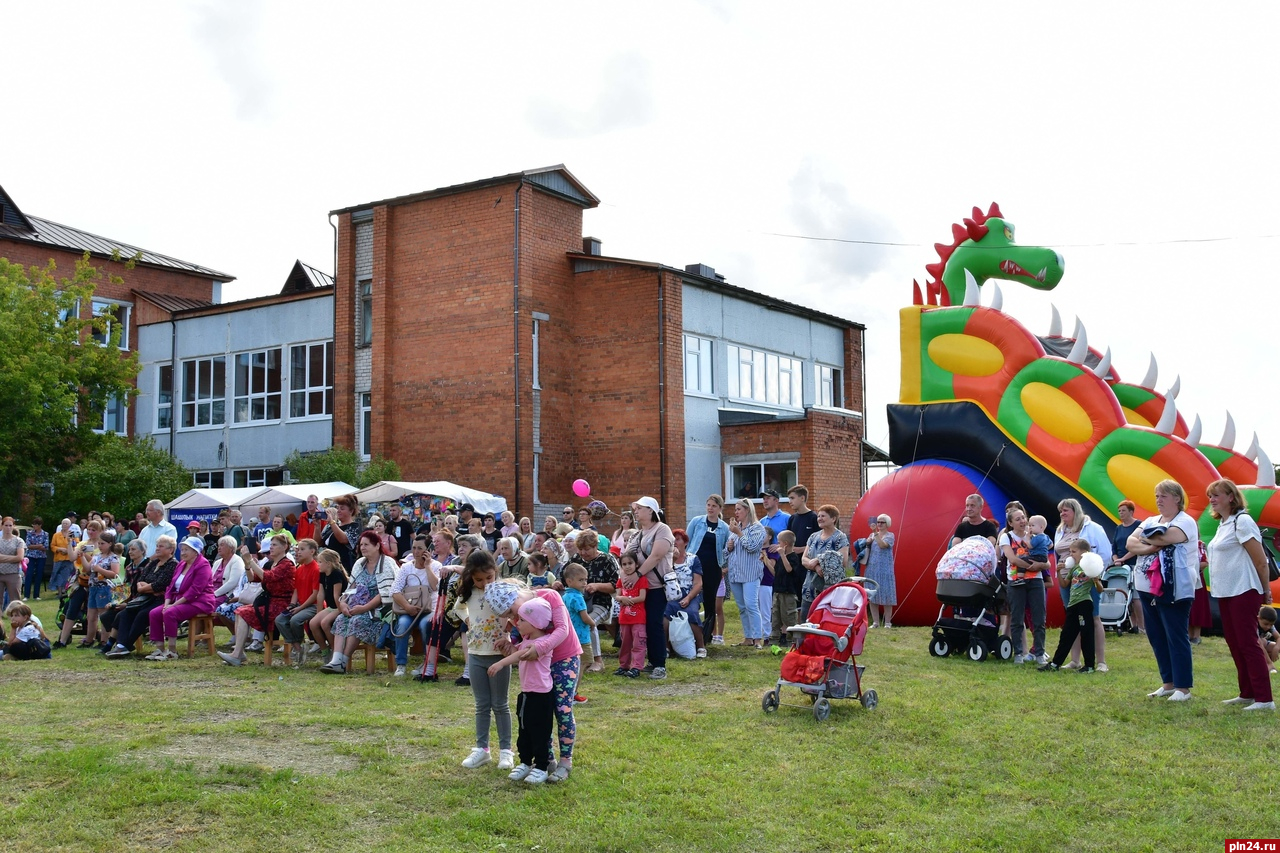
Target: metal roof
(49, 233)
(304, 277)
(556, 180)
(172, 303)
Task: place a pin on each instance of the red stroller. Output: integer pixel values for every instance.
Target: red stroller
(822, 662)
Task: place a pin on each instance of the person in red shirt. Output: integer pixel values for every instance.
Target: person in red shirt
(631, 617)
(312, 521)
(292, 623)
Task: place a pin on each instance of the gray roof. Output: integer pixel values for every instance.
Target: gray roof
(48, 233)
(172, 303)
(556, 180)
(305, 277)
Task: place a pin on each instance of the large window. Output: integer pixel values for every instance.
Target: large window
(209, 479)
(164, 398)
(116, 315)
(827, 388)
(311, 380)
(763, 377)
(748, 479)
(257, 392)
(247, 478)
(204, 392)
(364, 335)
(697, 364)
(366, 426)
(114, 417)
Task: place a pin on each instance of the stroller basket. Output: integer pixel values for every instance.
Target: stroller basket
(962, 593)
(842, 682)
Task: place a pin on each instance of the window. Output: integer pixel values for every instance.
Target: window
(117, 317)
(311, 380)
(826, 386)
(114, 417)
(697, 364)
(65, 314)
(763, 377)
(204, 392)
(366, 425)
(247, 478)
(257, 386)
(537, 378)
(747, 479)
(365, 334)
(164, 398)
(209, 479)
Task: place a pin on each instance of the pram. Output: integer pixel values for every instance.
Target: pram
(967, 582)
(1113, 601)
(822, 661)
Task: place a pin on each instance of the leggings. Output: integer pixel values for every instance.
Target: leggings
(490, 692)
(655, 606)
(711, 576)
(164, 621)
(1078, 623)
(564, 678)
(534, 711)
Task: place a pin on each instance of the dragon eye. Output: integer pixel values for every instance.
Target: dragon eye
(1008, 232)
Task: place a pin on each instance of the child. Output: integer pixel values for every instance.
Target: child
(788, 576)
(1039, 545)
(489, 685)
(538, 571)
(1079, 619)
(535, 707)
(27, 639)
(575, 601)
(1268, 636)
(630, 595)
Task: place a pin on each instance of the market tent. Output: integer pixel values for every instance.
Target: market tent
(206, 503)
(391, 490)
(298, 493)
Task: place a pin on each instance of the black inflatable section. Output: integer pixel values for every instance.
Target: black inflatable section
(962, 432)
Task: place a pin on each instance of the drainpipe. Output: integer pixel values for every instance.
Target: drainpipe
(174, 408)
(333, 419)
(862, 369)
(662, 396)
(515, 332)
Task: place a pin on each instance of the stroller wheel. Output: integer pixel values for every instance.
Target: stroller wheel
(939, 647)
(770, 702)
(978, 651)
(870, 699)
(821, 709)
(1004, 648)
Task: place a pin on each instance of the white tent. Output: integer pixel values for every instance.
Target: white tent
(390, 490)
(298, 493)
(206, 503)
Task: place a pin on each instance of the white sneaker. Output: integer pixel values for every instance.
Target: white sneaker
(1042, 659)
(506, 759)
(536, 777)
(1239, 700)
(701, 653)
(399, 673)
(1261, 706)
(1159, 693)
(314, 648)
(1020, 658)
(1102, 667)
(158, 654)
(1072, 665)
(887, 625)
(521, 771)
(1183, 696)
(479, 757)
(717, 640)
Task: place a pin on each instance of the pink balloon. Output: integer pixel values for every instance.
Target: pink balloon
(581, 488)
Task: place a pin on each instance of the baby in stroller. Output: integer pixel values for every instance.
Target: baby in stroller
(967, 583)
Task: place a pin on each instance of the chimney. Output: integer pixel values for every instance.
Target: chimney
(702, 270)
(590, 246)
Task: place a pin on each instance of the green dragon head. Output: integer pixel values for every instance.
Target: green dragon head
(984, 246)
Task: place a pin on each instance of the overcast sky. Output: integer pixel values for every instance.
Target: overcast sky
(1138, 139)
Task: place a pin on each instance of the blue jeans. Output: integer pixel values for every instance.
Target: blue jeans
(747, 596)
(404, 630)
(35, 575)
(62, 572)
(1167, 633)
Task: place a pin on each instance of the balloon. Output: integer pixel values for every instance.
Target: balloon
(1091, 565)
(581, 488)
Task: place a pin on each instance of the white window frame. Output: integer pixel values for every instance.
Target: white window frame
(199, 401)
(120, 407)
(759, 463)
(254, 478)
(163, 407)
(205, 479)
(366, 426)
(828, 387)
(765, 373)
(699, 355)
(309, 385)
(100, 305)
(252, 393)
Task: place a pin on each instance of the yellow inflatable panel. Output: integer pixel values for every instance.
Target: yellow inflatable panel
(1055, 412)
(1135, 476)
(1132, 417)
(965, 355)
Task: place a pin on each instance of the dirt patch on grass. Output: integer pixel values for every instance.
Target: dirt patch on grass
(220, 716)
(266, 753)
(683, 688)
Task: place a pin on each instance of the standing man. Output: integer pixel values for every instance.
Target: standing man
(263, 527)
(235, 529)
(312, 521)
(804, 521)
(775, 521)
(156, 527)
(400, 529)
(973, 524)
(75, 526)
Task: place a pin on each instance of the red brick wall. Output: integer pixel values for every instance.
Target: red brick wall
(853, 370)
(344, 336)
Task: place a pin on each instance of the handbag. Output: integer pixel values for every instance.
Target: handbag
(249, 593)
(415, 596)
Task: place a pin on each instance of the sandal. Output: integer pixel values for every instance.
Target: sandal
(596, 667)
(560, 774)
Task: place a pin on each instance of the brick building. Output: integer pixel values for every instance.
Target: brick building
(479, 338)
(32, 241)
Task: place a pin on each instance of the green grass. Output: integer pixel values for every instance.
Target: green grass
(194, 755)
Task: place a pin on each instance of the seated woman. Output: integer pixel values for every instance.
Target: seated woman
(148, 593)
(228, 577)
(333, 580)
(414, 596)
(190, 593)
(104, 568)
(360, 606)
(135, 554)
(276, 577)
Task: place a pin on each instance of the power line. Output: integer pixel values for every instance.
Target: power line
(1048, 245)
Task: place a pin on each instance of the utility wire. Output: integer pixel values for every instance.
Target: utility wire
(1001, 248)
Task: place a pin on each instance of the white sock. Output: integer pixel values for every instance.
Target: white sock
(258, 635)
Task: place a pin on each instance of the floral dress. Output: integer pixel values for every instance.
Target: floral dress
(880, 570)
(364, 587)
(816, 582)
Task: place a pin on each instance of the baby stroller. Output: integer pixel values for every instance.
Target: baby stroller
(967, 582)
(822, 661)
(1113, 602)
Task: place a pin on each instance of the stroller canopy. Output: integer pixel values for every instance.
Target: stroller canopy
(973, 559)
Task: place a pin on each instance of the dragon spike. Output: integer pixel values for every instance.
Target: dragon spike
(995, 210)
(1149, 381)
(997, 298)
(976, 231)
(1266, 471)
(1103, 367)
(1055, 322)
(917, 298)
(1228, 433)
(1176, 387)
(1193, 437)
(959, 233)
(1252, 452)
(970, 290)
(1169, 417)
(978, 215)
(944, 297)
(935, 270)
(1080, 349)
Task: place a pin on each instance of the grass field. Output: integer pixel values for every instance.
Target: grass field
(194, 755)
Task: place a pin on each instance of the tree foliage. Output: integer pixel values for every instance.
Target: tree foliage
(339, 463)
(118, 475)
(55, 380)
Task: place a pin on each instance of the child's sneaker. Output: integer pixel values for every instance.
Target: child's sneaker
(1048, 667)
(462, 681)
(658, 673)
(579, 700)
(717, 640)
(632, 673)
(701, 653)
(506, 759)
(536, 777)
(622, 670)
(479, 757)
(521, 771)
(1084, 670)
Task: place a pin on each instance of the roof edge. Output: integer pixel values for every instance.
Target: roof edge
(469, 186)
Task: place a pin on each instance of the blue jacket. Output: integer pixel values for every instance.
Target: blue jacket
(697, 529)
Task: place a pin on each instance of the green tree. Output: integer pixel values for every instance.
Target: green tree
(54, 380)
(119, 475)
(339, 463)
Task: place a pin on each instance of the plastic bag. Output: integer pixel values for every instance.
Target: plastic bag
(681, 634)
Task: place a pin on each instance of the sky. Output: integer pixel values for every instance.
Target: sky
(1137, 139)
